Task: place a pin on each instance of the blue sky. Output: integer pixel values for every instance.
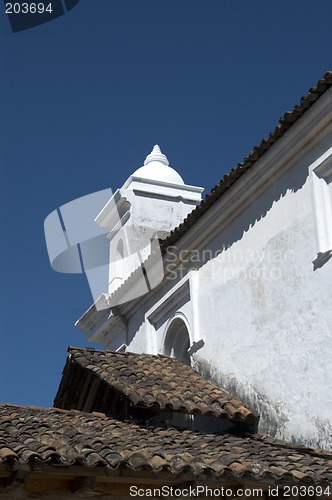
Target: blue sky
(83, 100)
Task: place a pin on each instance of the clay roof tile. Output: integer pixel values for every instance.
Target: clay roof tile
(148, 380)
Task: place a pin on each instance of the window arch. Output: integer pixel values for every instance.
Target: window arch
(177, 340)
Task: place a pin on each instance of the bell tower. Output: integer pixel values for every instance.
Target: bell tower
(152, 201)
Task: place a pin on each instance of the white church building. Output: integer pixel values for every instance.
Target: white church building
(239, 285)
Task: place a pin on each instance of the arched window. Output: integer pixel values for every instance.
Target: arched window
(177, 341)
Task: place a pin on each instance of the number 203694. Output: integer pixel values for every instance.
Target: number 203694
(28, 8)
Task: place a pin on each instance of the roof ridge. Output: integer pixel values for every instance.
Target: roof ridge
(93, 349)
(32, 407)
(52, 409)
(127, 353)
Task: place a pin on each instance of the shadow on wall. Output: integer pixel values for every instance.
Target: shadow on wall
(234, 231)
(271, 420)
(258, 209)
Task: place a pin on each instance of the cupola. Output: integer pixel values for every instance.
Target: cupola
(156, 168)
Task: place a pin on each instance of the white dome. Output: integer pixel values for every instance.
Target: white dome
(156, 171)
(156, 168)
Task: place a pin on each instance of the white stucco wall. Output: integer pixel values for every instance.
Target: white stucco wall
(260, 306)
(266, 316)
(247, 284)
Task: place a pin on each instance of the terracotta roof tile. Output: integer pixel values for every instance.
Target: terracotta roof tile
(156, 381)
(65, 438)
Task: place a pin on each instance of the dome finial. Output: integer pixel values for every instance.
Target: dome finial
(156, 155)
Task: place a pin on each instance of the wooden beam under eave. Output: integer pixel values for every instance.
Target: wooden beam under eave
(112, 475)
(83, 485)
(87, 382)
(5, 481)
(98, 482)
(5, 470)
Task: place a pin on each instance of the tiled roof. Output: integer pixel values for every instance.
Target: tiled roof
(155, 382)
(285, 123)
(31, 435)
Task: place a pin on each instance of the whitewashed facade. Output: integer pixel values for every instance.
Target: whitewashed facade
(246, 295)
